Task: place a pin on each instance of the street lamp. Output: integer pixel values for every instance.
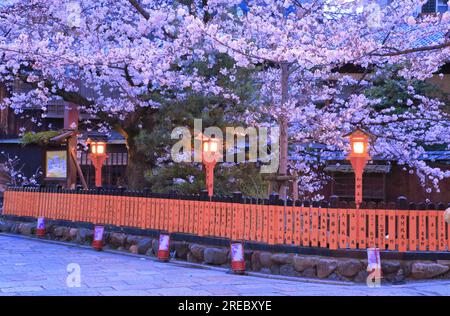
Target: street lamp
(209, 158)
(98, 148)
(359, 156)
(97, 156)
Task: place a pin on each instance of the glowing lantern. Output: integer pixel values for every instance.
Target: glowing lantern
(210, 150)
(359, 156)
(97, 156)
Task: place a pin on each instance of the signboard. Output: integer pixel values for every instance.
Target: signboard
(237, 252)
(98, 233)
(373, 258)
(41, 223)
(56, 164)
(164, 242)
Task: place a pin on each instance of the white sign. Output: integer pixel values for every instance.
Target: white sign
(373, 258)
(98, 233)
(164, 242)
(41, 223)
(373, 267)
(237, 252)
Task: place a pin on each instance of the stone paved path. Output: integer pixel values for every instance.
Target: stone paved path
(31, 267)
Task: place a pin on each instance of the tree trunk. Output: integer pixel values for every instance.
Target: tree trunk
(282, 121)
(136, 167)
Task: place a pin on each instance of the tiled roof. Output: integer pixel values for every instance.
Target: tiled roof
(114, 138)
(441, 155)
(367, 169)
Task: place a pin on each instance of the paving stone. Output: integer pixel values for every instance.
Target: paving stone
(38, 268)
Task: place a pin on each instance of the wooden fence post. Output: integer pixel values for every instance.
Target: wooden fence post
(362, 226)
(402, 224)
(315, 224)
(266, 220)
(343, 225)
(423, 238)
(280, 211)
(333, 222)
(392, 226)
(353, 224)
(205, 213)
(289, 221)
(273, 218)
(432, 227)
(323, 224)
(442, 240)
(237, 218)
(412, 227)
(306, 223)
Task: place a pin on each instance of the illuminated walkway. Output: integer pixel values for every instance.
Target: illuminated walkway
(31, 267)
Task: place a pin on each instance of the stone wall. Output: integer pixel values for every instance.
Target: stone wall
(344, 269)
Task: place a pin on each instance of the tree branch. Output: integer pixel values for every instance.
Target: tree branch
(413, 50)
(140, 9)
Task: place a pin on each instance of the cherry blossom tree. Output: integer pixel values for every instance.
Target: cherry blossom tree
(117, 60)
(120, 60)
(302, 49)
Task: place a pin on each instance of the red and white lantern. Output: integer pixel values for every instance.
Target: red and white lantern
(164, 247)
(97, 243)
(373, 267)
(373, 258)
(237, 257)
(40, 229)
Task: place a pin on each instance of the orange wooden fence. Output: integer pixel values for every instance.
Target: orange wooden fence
(333, 228)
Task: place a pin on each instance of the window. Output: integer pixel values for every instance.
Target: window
(433, 6)
(442, 5)
(55, 110)
(343, 185)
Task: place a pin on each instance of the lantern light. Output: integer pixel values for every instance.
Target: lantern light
(358, 147)
(98, 155)
(210, 150)
(210, 146)
(359, 156)
(98, 148)
(213, 146)
(359, 143)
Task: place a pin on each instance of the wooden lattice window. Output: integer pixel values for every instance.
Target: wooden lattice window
(343, 185)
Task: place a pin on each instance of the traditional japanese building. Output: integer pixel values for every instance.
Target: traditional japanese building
(31, 157)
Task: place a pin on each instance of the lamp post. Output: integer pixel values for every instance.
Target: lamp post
(209, 159)
(97, 156)
(359, 156)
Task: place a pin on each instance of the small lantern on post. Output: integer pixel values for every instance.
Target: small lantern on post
(359, 156)
(210, 149)
(97, 155)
